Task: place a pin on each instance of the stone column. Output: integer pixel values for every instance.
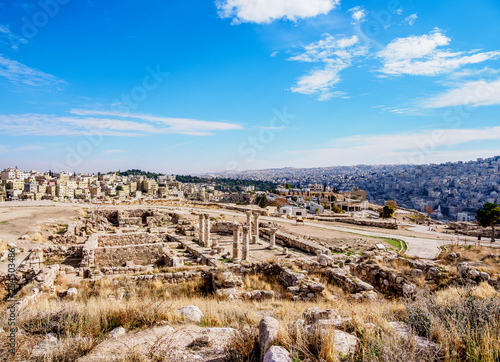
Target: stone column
(237, 243)
(201, 231)
(249, 223)
(208, 242)
(255, 239)
(272, 238)
(246, 243)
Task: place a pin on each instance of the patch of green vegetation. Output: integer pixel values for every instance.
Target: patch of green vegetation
(226, 260)
(4, 222)
(394, 242)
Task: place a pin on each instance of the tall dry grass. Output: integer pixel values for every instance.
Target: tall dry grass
(464, 321)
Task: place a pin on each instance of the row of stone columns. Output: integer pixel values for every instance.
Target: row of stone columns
(241, 241)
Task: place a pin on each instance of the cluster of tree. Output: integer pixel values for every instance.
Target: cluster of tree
(387, 212)
(135, 172)
(489, 215)
(228, 184)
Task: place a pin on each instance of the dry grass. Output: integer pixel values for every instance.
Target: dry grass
(3, 245)
(466, 322)
(480, 256)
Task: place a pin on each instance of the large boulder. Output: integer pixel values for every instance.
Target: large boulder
(314, 314)
(344, 343)
(277, 354)
(404, 331)
(325, 260)
(117, 332)
(49, 343)
(191, 313)
(268, 331)
(462, 269)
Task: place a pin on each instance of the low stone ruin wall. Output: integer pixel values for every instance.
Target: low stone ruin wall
(196, 250)
(88, 251)
(63, 239)
(62, 251)
(294, 242)
(298, 285)
(133, 238)
(387, 281)
(223, 227)
(143, 254)
(373, 223)
(173, 278)
(472, 230)
(345, 280)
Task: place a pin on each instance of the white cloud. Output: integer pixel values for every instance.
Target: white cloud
(358, 14)
(103, 123)
(266, 11)
(410, 20)
(176, 125)
(478, 93)
(18, 73)
(335, 55)
(11, 39)
(423, 55)
(420, 147)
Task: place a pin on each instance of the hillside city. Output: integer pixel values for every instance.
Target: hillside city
(454, 190)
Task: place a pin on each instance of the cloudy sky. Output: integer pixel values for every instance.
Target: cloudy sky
(186, 86)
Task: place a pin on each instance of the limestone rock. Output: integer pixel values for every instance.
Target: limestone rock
(277, 354)
(71, 292)
(462, 269)
(314, 314)
(191, 313)
(42, 348)
(268, 331)
(344, 343)
(117, 332)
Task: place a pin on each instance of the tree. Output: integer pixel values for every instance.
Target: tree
(392, 203)
(489, 215)
(387, 212)
(336, 209)
(428, 209)
(119, 188)
(288, 186)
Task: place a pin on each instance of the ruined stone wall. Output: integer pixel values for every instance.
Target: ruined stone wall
(223, 227)
(388, 281)
(344, 280)
(294, 242)
(351, 220)
(133, 238)
(63, 239)
(117, 256)
(472, 230)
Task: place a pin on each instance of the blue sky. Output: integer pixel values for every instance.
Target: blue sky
(197, 86)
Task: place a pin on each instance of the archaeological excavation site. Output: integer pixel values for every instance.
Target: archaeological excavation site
(179, 284)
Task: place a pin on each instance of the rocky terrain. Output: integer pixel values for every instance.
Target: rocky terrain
(174, 284)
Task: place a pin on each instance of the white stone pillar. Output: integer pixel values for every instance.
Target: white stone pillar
(246, 243)
(249, 223)
(237, 243)
(255, 239)
(208, 241)
(272, 238)
(201, 231)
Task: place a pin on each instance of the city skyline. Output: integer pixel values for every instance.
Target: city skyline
(230, 84)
